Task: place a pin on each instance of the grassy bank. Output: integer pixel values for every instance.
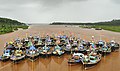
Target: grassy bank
(113, 25)
(9, 25)
(110, 28)
(8, 28)
(105, 27)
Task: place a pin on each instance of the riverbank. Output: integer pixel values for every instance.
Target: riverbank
(113, 25)
(104, 27)
(8, 29)
(9, 25)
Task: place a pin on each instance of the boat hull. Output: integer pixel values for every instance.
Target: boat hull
(33, 56)
(47, 54)
(73, 61)
(4, 59)
(90, 64)
(17, 59)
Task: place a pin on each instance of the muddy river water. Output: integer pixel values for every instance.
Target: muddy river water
(108, 63)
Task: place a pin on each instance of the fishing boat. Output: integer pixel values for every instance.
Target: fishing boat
(68, 48)
(58, 50)
(19, 46)
(29, 44)
(91, 60)
(74, 46)
(75, 43)
(32, 53)
(62, 43)
(95, 48)
(114, 46)
(49, 42)
(6, 55)
(100, 43)
(17, 41)
(40, 43)
(23, 43)
(76, 58)
(64, 37)
(45, 51)
(81, 48)
(35, 39)
(98, 28)
(63, 40)
(106, 50)
(17, 56)
(60, 40)
(84, 43)
(52, 37)
(71, 39)
(30, 37)
(10, 46)
(92, 46)
(26, 40)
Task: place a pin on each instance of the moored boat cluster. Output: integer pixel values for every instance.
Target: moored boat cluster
(89, 53)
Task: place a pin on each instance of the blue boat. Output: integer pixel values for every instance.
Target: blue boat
(81, 48)
(100, 43)
(49, 42)
(75, 43)
(76, 58)
(39, 43)
(114, 46)
(32, 53)
(58, 51)
(105, 50)
(46, 50)
(68, 48)
(6, 55)
(91, 60)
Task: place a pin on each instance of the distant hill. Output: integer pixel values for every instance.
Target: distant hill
(9, 25)
(113, 22)
(6, 21)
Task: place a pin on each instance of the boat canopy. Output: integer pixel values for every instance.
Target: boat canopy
(30, 44)
(32, 48)
(9, 46)
(49, 40)
(112, 41)
(57, 47)
(100, 42)
(6, 52)
(64, 37)
(10, 42)
(17, 40)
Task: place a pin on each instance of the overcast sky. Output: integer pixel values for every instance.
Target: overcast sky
(46, 11)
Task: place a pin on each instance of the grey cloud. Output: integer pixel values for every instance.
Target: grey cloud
(41, 2)
(60, 10)
(116, 1)
(57, 2)
(12, 5)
